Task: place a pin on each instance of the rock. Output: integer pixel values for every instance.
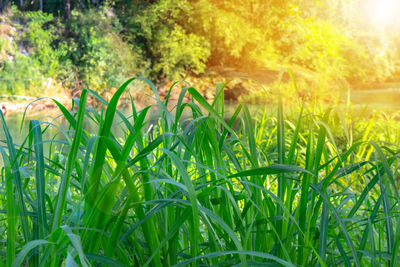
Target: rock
(209, 95)
(233, 93)
(3, 108)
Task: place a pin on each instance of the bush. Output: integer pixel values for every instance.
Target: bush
(27, 57)
(39, 41)
(164, 27)
(91, 43)
(86, 50)
(20, 75)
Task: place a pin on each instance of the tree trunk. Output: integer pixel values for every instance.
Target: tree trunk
(67, 9)
(4, 5)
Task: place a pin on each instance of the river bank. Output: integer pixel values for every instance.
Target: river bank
(19, 104)
(248, 86)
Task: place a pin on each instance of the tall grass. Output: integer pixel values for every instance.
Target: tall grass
(203, 191)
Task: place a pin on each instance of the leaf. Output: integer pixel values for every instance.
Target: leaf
(26, 249)
(268, 170)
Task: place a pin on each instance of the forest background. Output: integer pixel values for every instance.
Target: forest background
(95, 44)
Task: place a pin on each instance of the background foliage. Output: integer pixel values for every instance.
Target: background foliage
(103, 43)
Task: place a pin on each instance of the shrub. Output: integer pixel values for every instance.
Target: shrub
(85, 50)
(91, 43)
(164, 27)
(20, 75)
(21, 72)
(39, 41)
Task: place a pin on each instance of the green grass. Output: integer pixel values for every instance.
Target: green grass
(312, 188)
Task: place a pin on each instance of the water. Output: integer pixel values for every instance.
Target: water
(58, 126)
(19, 132)
(385, 99)
(53, 122)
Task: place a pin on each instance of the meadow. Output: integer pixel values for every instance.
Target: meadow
(306, 186)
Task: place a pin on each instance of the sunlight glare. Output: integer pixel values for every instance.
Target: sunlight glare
(383, 12)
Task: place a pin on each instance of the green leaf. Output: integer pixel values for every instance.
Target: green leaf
(26, 249)
(269, 170)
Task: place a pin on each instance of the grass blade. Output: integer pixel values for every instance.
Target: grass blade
(65, 182)
(22, 213)
(40, 179)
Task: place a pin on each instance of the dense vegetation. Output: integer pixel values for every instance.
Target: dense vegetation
(292, 188)
(100, 45)
(188, 181)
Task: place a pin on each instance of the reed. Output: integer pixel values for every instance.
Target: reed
(284, 189)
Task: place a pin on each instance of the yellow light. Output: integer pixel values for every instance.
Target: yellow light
(383, 12)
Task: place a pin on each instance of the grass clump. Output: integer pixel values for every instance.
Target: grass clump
(191, 188)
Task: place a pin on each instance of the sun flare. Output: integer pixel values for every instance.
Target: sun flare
(383, 12)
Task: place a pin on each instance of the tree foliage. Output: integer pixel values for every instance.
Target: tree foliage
(171, 43)
(103, 42)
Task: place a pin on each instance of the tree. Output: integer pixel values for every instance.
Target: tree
(67, 9)
(3, 5)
